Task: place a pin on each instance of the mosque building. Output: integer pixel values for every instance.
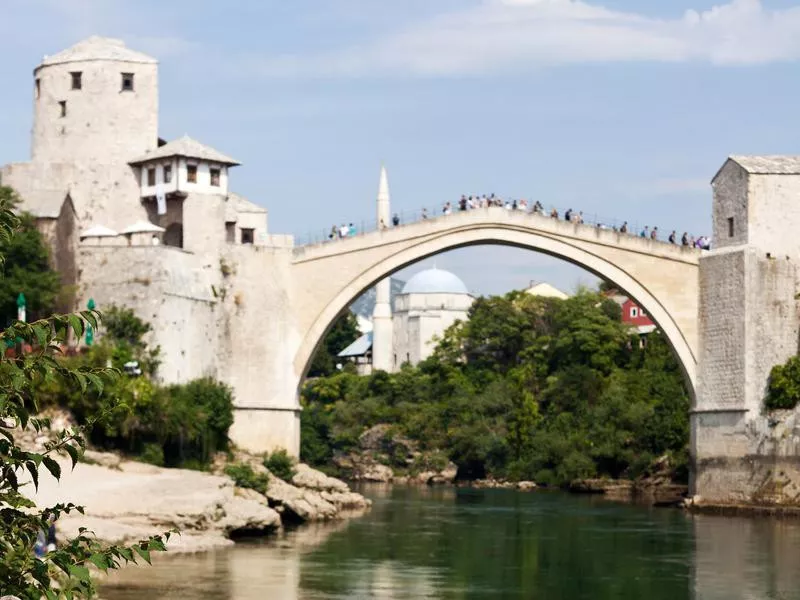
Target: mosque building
(431, 301)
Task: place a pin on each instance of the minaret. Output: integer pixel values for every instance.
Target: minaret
(382, 316)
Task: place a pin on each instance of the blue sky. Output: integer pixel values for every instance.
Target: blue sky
(618, 108)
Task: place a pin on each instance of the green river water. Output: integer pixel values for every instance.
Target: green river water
(461, 543)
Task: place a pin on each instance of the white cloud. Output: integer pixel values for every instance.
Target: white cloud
(499, 35)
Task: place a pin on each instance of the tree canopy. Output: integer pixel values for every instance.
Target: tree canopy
(343, 333)
(525, 388)
(26, 268)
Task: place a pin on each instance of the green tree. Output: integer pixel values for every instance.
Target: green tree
(343, 333)
(62, 573)
(784, 385)
(26, 268)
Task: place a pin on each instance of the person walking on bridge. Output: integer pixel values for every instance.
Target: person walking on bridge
(672, 237)
(645, 233)
(624, 228)
(654, 234)
(395, 220)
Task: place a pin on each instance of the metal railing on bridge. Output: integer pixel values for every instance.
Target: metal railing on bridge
(408, 217)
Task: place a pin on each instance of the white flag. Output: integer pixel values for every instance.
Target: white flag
(161, 200)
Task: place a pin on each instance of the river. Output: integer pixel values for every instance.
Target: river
(462, 543)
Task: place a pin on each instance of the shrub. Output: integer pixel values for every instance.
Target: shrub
(244, 476)
(784, 385)
(280, 464)
(152, 454)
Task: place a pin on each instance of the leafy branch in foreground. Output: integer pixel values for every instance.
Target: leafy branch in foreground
(28, 359)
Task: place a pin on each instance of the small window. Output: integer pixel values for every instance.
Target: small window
(214, 177)
(230, 232)
(127, 82)
(63, 105)
(151, 176)
(76, 80)
(38, 87)
(167, 173)
(730, 227)
(634, 312)
(248, 235)
(191, 173)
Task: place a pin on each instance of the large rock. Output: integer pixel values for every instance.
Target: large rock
(299, 504)
(247, 512)
(137, 500)
(362, 467)
(306, 477)
(382, 439)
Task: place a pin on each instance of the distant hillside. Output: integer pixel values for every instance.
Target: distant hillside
(365, 303)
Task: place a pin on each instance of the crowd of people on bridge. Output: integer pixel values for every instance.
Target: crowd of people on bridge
(466, 203)
(472, 202)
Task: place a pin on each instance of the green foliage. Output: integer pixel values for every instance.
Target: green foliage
(174, 426)
(64, 572)
(526, 388)
(244, 476)
(343, 333)
(280, 464)
(26, 267)
(122, 325)
(784, 385)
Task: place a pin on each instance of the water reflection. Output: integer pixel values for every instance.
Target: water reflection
(449, 543)
(739, 557)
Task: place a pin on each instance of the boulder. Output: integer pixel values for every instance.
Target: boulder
(347, 500)
(306, 477)
(246, 513)
(382, 440)
(373, 471)
(299, 504)
(526, 486)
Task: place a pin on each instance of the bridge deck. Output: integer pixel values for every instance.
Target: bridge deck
(503, 218)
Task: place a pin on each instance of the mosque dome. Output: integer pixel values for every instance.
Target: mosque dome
(434, 281)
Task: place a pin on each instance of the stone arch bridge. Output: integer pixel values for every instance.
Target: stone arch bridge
(318, 282)
(730, 314)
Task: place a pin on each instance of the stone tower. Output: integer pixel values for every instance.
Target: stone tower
(748, 321)
(95, 107)
(382, 315)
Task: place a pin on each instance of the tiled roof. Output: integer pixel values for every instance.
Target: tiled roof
(98, 48)
(189, 148)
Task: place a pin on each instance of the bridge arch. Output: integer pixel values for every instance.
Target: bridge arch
(642, 285)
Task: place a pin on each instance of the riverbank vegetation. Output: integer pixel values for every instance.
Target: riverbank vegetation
(527, 388)
(174, 425)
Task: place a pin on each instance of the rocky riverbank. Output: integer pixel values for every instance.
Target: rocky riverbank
(126, 501)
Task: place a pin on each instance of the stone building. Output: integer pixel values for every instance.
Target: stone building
(131, 218)
(431, 301)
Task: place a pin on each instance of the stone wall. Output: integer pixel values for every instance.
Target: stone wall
(170, 289)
